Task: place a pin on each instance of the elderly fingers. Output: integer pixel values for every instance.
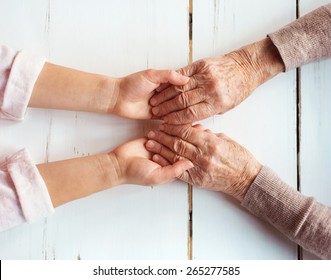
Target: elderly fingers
(179, 102)
(164, 95)
(165, 157)
(191, 114)
(193, 135)
(165, 154)
(178, 146)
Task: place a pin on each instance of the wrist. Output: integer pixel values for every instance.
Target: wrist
(76, 178)
(260, 60)
(117, 167)
(108, 94)
(247, 178)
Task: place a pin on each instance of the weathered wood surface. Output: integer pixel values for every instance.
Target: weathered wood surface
(265, 124)
(132, 222)
(315, 151)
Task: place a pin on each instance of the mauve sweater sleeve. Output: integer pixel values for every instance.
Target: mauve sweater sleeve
(23, 194)
(305, 40)
(300, 218)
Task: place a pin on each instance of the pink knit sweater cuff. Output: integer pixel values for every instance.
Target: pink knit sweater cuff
(24, 71)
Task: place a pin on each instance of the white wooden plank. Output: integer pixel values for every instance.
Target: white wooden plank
(22, 25)
(315, 158)
(116, 38)
(265, 124)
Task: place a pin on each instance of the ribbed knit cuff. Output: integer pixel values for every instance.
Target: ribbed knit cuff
(300, 218)
(305, 40)
(272, 200)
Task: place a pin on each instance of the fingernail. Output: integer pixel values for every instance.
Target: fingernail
(150, 144)
(155, 157)
(151, 134)
(153, 101)
(155, 110)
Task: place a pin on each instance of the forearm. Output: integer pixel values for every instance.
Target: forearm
(300, 218)
(72, 179)
(260, 60)
(64, 88)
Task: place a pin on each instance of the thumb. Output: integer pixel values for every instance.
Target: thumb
(170, 172)
(167, 76)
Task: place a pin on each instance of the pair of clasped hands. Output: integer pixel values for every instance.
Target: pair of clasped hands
(179, 98)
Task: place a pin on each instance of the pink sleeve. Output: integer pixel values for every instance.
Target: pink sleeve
(18, 74)
(23, 194)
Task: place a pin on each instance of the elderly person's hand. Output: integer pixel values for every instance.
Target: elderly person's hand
(132, 93)
(220, 164)
(217, 84)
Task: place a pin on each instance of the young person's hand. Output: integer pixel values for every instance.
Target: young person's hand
(135, 165)
(132, 93)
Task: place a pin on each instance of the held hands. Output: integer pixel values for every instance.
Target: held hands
(134, 165)
(218, 84)
(215, 86)
(132, 93)
(220, 164)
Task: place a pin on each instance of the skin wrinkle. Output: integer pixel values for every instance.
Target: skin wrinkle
(222, 164)
(222, 82)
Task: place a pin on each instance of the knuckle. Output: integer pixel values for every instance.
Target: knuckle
(203, 63)
(175, 158)
(183, 100)
(192, 115)
(185, 132)
(177, 117)
(192, 84)
(179, 146)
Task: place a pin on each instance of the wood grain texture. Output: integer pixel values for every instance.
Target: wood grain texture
(315, 155)
(117, 38)
(265, 124)
(22, 26)
(114, 38)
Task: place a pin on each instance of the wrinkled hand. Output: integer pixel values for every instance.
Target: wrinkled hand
(220, 164)
(135, 165)
(134, 91)
(218, 84)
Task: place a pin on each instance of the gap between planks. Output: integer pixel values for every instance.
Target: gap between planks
(298, 128)
(189, 188)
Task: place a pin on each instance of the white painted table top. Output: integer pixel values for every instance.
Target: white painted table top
(117, 38)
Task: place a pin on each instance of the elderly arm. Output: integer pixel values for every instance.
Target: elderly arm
(221, 164)
(219, 84)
